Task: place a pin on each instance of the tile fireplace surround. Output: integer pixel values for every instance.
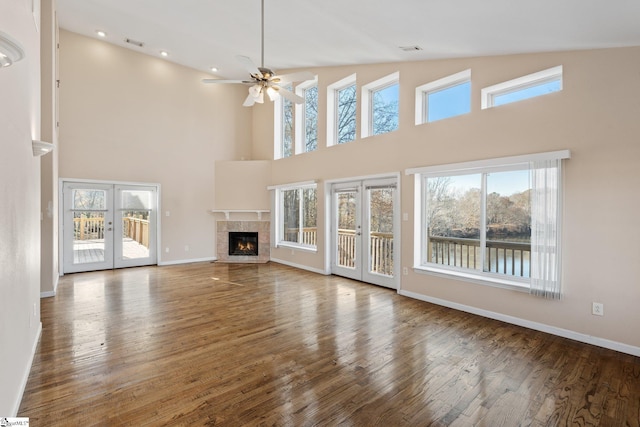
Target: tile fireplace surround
(263, 228)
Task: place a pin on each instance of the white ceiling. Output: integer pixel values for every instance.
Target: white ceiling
(305, 33)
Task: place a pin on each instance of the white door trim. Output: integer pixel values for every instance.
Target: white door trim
(62, 181)
(329, 221)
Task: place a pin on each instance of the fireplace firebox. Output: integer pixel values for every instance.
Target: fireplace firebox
(242, 243)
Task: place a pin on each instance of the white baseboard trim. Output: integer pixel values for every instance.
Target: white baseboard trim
(300, 266)
(52, 293)
(187, 261)
(565, 333)
(25, 374)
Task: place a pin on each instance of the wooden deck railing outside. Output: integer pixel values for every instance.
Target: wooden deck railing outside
(136, 229)
(93, 228)
(511, 258)
(381, 248)
(88, 228)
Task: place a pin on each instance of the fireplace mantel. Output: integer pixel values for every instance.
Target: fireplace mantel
(227, 212)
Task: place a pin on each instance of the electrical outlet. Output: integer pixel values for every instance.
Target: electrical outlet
(166, 250)
(186, 248)
(405, 271)
(597, 309)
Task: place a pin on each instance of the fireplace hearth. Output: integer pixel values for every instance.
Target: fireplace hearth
(243, 243)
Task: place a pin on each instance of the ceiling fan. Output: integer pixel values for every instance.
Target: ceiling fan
(263, 80)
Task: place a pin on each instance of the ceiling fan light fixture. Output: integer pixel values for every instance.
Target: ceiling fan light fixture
(264, 79)
(273, 93)
(255, 90)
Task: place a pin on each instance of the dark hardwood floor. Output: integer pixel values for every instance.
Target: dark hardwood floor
(245, 344)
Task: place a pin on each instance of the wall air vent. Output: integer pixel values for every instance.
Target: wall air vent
(134, 42)
(410, 48)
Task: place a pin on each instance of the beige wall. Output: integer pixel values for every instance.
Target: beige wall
(595, 116)
(20, 207)
(130, 117)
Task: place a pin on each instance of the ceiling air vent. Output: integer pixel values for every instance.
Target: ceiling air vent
(134, 42)
(410, 48)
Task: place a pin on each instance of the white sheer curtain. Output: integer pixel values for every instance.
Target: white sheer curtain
(545, 228)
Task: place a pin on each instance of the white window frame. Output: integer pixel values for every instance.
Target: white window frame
(367, 100)
(488, 94)
(422, 92)
(332, 107)
(420, 263)
(301, 116)
(278, 134)
(277, 228)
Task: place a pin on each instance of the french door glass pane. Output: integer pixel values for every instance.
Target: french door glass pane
(88, 225)
(381, 231)
(135, 223)
(346, 241)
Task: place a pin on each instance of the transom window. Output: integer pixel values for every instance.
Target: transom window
(307, 117)
(295, 219)
(525, 87)
(444, 98)
(493, 221)
(283, 125)
(380, 105)
(341, 111)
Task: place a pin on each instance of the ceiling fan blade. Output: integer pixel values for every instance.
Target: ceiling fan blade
(294, 77)
(225, 81)
(249, 101)
(248, 65)
(290, 96)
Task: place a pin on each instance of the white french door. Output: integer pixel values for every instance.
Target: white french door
(108, 226)
(364, 227)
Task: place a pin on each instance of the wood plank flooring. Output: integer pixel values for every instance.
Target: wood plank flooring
(264, 344)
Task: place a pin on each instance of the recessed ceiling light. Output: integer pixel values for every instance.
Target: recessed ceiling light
(214, 69)
(164, 53)
(101, 33)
